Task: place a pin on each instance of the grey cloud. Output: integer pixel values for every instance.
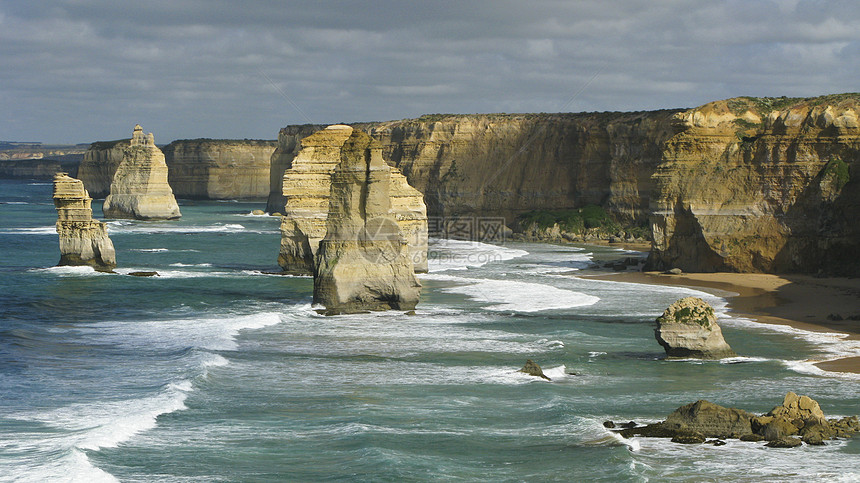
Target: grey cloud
(82, 70)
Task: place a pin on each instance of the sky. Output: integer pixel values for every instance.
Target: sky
(78, 71)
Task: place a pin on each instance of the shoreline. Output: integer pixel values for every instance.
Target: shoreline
(799, 301)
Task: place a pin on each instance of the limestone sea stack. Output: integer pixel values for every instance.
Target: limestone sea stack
(306, 189)
(83, 241)
(139, 189)
(363, 262)
(688, 328)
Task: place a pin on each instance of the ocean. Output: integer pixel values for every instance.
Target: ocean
(216, 371)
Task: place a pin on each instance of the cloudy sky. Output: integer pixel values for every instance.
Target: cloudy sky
(83, 70)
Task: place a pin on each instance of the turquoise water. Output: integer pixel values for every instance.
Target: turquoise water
(215, 371)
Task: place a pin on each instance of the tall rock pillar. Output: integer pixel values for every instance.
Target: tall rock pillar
(363, 262)
(83, 241)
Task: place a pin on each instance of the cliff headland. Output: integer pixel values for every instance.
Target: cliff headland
(743, 184)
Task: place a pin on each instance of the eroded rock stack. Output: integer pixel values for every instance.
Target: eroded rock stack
(688, 328)
(83, 241)
(306, 188)
(363, 261)
(139, 189)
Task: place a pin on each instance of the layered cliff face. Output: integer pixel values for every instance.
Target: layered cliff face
(139, 189)
(363, 261)
(761, 185)
(83, 241)
(288, 146)
(99, 165)
(307, 190)
(505, 165)
(746, 184)
(219, 169)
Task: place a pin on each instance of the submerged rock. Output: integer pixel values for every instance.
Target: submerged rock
(688, 328)
(83, 241)
(363, 262)
(533, 369)
(139, 189)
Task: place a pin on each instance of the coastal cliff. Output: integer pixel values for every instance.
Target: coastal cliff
(99, 165)
(744, 184)
(219, 168)
(760, 185)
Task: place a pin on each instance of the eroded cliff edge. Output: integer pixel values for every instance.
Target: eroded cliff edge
(761, 185)
(744, 184)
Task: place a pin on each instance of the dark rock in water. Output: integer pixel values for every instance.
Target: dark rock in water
(813, 439)
(777, 428)
(411, 312)
(608, 424)
(752, 437)
(716, 442)
(834, 317)
(144, 274)
(784, 443)
(531, 368)
(692, 437)
(711, 420)
(628, 425)
(656, 430)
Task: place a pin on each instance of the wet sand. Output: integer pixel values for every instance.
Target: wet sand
(800, 301)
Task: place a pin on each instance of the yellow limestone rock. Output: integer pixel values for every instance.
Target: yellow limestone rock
(306, 189)
(83, 241)
(139, 189)
(306, 185)
(363, 262)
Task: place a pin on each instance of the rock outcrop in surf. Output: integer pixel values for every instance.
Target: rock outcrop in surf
(688, 328)
(797, 420)
(363, 261)
(139, 189)
(83, 240)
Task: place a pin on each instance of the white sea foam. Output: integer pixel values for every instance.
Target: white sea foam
(70, 271)
(508, 295)
(117, 227)
(39, 230)
(179, 264)
(14, 203)
(40, 184)
(209, 333)
(444, 254)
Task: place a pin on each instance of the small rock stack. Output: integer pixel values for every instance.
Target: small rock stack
(139, 189)
(83, 241)
(688, 329)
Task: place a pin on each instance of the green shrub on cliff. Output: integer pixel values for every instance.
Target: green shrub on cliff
(838, 169)
(573, 220)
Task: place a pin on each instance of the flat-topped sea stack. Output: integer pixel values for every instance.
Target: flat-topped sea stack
(83, 241)
(688, 329)
(363, 261)
(307, 188)
(139, 189)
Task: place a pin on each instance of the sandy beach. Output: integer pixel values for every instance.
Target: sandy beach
(800, 301)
